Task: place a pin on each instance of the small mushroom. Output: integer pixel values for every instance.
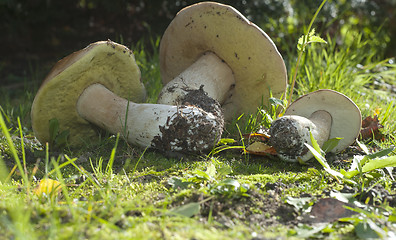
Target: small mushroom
(91, 87)
(213, 45)
(326, 114)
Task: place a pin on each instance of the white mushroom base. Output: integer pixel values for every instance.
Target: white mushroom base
(289, 133)
(164, 127)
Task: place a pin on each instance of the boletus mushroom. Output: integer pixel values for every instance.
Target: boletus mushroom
(212, 46)
(100, 86)
(326, 114)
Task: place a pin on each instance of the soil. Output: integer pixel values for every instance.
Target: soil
(189, 132)
(192, 133)
(293, 145)
(255, 210)
(270, 209)
(201, 99)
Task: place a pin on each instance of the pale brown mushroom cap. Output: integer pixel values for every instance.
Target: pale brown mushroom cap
(346, 116)
(254, 59)
(108, 63)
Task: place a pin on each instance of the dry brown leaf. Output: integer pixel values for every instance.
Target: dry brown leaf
(329, 210)
(259, 148)
(370, 129)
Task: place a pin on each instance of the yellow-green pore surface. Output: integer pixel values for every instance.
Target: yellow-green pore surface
(254, 59)
(105, 62)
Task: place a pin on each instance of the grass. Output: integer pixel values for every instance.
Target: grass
(115, 191)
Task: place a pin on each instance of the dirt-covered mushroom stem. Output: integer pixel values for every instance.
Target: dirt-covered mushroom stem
(289, 133)
(165, 127)
(324, 113)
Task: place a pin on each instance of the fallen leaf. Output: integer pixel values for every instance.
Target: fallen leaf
(47, 187)
(260, 136)
(259, 148)
(329, 210)
(370, 129)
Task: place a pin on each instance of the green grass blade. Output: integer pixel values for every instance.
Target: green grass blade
(22, 144)
(324, 163)
(109, 167)
(64, 188)
(14, 152)
(379, 163)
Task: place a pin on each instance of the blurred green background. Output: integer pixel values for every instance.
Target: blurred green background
(37, 33)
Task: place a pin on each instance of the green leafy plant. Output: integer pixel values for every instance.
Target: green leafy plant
(255, 123)
(186, 210)
(308, 38)
(214, 181)
(364, 165)
(370, 222)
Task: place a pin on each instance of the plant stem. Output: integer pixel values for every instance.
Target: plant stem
(294, 79)
(314, 17)
(305, 43)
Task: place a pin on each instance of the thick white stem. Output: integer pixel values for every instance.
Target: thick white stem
(100, 106)
(322, 121)
(149, 125)
(210, 71)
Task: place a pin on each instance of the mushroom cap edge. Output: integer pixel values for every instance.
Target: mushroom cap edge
(219, 28)
(346, 116)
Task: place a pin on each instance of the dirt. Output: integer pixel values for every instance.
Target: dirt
(377, 195)
(269, 209)
(189, 132)
(291, 146)
(255, 210)
(201, 99)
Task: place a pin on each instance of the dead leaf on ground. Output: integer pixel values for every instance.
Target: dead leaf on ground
(370, 129)
(260, 136)
(47, 187)
(329, 210)
(260, 148)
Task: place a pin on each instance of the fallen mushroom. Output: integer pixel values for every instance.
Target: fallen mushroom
(213, 45)
(91, 87)
(326, 114)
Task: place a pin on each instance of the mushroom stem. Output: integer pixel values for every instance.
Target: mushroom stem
(322, 121)
(169, 128)
(208, 71)
(290, 132)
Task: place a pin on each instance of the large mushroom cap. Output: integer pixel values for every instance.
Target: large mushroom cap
(254, 59)
(105, 62)
(346, 116)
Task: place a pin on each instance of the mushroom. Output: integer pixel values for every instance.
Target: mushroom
(326, 114)
(93, 86)
(213, 45)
